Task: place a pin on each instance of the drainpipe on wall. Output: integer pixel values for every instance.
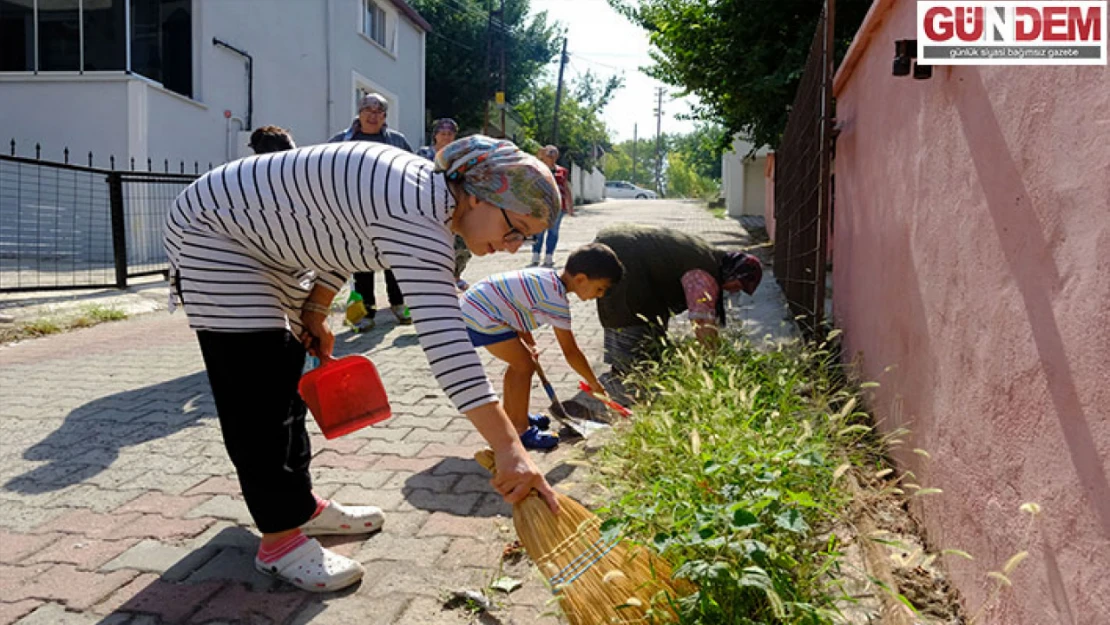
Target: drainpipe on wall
(250, 76)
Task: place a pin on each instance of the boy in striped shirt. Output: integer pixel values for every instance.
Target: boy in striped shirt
(502, 310)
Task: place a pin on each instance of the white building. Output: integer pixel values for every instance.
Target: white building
(168, 79)
(743, 182)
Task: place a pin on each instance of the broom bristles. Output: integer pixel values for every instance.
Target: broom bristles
(597, 582)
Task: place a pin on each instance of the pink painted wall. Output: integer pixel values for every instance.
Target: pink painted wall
(972, 258)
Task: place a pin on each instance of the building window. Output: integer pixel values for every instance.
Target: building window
(91, 36)
(17, 36)
(162, 42)
(105, 39)
(59, 36)
(377, 24)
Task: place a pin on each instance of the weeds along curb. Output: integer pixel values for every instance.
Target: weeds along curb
(876, 559)
(729, 471)
(87, 317)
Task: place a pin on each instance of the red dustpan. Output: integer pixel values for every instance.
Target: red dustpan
(344, 395)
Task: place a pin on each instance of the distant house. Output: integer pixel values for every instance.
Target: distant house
(743, 183)
(169, 79)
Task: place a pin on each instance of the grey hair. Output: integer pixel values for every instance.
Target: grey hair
(373, 100)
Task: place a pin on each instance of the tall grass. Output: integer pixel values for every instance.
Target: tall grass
(731, 469)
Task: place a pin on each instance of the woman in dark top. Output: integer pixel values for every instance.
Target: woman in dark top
(667, 272)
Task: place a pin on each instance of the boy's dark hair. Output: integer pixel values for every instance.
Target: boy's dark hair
(598, 261)
(271, 139)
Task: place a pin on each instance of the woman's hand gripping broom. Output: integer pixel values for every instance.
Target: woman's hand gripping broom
(597, 582)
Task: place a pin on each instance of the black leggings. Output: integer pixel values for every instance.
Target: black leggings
(364, 286)
(254, 378)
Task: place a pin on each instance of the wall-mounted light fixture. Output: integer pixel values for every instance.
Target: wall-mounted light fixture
(905, 59)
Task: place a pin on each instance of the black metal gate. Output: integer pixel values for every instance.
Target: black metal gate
(802, 184)
(66, 226)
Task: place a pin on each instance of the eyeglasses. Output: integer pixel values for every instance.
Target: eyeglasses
(514, 235)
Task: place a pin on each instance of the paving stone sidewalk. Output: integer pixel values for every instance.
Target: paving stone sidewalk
(118, 504)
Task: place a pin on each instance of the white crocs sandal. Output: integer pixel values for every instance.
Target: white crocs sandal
(315, 569)
(339, 519)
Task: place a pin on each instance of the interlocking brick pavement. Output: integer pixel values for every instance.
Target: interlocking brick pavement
(119, 505)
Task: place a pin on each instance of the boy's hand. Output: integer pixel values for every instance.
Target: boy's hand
(529, 342)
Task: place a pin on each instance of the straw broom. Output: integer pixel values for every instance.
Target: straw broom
(597, 582)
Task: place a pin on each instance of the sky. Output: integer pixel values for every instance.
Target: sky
(602, 40)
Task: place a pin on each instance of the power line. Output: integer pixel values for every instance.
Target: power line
(574, 67)
(449, 40)
(455, 5)
(606, 65)
(478, 13)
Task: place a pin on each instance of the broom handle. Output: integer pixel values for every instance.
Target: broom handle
(550, 390)
(556, 405)
(485, 458)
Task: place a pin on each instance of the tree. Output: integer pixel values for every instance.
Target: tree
(618, 162)
(691, 163)
(455, 51)
(583, 137)
(702, 149)
(742, 58)
(683, 180)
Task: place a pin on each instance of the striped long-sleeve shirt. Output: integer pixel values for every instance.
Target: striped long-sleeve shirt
(248, 240)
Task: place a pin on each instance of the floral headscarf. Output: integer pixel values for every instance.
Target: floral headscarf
(743, 268)
(498, 172)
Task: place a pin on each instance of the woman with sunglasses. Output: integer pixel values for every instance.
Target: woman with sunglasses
(258, 249)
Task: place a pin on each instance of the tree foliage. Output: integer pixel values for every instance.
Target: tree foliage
(702, 149)
(690, 163)
(742, 58)
(458, 84)
(681, 179)
(618, 162)
(583, 136)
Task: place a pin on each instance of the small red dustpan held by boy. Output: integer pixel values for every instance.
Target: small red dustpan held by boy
(345, 394)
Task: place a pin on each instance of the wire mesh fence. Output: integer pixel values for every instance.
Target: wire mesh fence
(65, 226)
(146, 198)
(802, 185)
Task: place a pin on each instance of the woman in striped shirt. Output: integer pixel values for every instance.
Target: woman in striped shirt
(259, 247)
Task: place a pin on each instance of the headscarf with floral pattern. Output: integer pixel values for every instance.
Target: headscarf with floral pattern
(498, 172)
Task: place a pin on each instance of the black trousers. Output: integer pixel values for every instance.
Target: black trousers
(254, 378)
(364, 286)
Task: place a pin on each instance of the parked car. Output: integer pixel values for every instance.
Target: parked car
(620, 189)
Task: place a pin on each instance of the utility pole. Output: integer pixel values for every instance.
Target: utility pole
(501, 98)
(485, 75)
(559, 94)
(635, 128)
(659, 144)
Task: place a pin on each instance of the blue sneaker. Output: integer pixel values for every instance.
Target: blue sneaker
(533, 438)
(540, 421)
